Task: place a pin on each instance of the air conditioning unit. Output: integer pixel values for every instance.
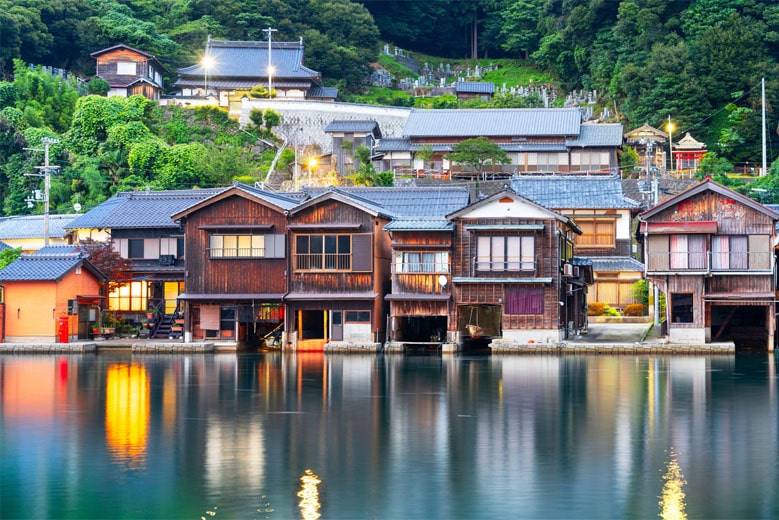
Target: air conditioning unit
(576, 270)
(167, 259)
(567, 270)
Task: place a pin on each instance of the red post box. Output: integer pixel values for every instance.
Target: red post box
(62, 329)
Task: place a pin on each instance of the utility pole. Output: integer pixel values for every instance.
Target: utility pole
(45, 172)
(270, 32)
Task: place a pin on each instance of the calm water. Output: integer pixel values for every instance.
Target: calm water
(285, 436)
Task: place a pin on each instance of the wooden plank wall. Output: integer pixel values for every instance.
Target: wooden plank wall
(224, 276)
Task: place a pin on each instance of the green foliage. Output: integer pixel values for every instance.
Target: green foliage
(261, 92)
(424, 154)
(715, 166)
(272, 118)
(640, 292)
(9, 255)
(445, 101)
(478, 153)
(98, 86)
(629, 160)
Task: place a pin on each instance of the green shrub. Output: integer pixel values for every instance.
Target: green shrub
(595, 309)
(635, 309)
(610, 311)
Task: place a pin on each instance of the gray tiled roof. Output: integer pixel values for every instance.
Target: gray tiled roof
(597, 134)
(236, 59)
(356, 125)
(283, 200)
(40, 267)
(141, 209)
(615, 264)
(573, 191)
(322, 92)
(431, 201)
(475, 87)
(393, 144)
(57, 250)
(499, 122)
(32, 226)
(420, 224)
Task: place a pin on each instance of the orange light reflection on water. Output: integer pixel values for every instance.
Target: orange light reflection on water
(127, 414)
(672, 503)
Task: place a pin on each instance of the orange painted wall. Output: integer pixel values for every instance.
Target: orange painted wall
(33, 308)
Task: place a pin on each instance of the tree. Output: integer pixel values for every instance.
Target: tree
(9, 255)
(628, 160)
(424, 154)
(98, 86)
(366, 174)
(478, 153)
(103, 256)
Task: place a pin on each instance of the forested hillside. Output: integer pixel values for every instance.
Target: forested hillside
(696, 62)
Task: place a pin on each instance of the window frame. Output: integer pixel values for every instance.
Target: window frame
(405, 265)
(329, 252)
(218, 250)
(492, 260)
(590, 235)
(683, 310)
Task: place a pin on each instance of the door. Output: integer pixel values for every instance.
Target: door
(336, 326)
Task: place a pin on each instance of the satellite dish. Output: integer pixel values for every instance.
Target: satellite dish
(442, 281)
(77, 207)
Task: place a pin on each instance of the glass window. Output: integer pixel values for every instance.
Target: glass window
(597, 232)
(129, 297)
(125, 68)
(681, 307)
(235, 246)
(135, 248)
(323, 252)
(514, 253)
(357, 317)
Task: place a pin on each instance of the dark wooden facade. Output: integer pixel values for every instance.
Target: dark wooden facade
(421, 292)
(129, 71)
(501, 295)
(711, 251)
(336, 295)
(246, 281)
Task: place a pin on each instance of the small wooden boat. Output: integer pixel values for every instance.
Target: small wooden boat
(475, 331)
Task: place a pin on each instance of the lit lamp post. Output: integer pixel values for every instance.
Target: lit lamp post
(311, 165)
(271, 70)
(670, 144)
(207, 63)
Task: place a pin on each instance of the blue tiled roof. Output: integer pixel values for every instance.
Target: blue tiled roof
(499, 122)
(615, 264)
(600, 134)
(32, 226)
(475, 87)
(393, 144)
(322, 92)
(420, 224)
(40, 267)
(3, 246)
(433, 201)
(57, 250)
(573, 191)
(357, 125)
(238, 59)
(141, 209)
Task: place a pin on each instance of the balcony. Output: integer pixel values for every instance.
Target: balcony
(708, 262)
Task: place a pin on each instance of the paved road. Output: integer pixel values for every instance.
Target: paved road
(613, 333)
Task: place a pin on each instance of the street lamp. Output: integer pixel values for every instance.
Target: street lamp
(207, 63)
(271, 70)
(670, 144)
(311, 164)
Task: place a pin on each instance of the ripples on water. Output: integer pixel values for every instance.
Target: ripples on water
(334, 436)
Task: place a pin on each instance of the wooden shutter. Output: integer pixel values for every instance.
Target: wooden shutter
(759, 252)
(362, 253)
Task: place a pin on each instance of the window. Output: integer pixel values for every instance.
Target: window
(524, 300)
(235, 246)
(135, 248)
(421, 262)
(681, 307)
(126, 68)
(333, 252)
(357, 317)
(730, 252)
(597, 232)
(688, 252)
(505, 253)
(589, 161)
(129, 297)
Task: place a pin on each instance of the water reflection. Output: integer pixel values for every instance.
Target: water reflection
(127, 413)
(309, 496)
(391, 436)
(672, 505)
